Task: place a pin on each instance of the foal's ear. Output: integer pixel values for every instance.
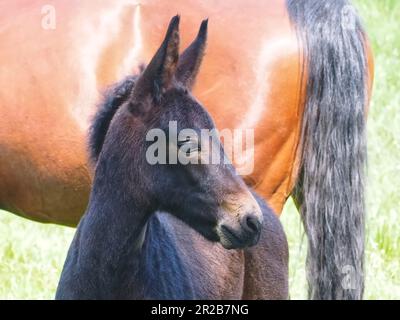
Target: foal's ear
(158, 75)
(190, 60)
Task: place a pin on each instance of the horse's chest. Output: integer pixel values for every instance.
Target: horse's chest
(183, 265)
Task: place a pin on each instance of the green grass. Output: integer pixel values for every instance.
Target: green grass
(382, 20)
(32, 254)
(31, 257)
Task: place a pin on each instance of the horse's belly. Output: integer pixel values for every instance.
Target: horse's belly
(47, 183)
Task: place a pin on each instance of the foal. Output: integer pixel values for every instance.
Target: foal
(127, 246)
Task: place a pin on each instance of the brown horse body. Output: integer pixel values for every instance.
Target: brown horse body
(52, 81)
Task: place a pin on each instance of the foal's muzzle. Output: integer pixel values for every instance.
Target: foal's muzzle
(245, 233)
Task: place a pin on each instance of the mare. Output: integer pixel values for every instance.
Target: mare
(297, 72)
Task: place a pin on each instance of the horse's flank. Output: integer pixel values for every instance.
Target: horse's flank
(65, 70)
(51, 81)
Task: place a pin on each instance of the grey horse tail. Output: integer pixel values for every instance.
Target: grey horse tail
(330, 188)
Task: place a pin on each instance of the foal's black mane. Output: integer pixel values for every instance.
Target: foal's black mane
(114, 97)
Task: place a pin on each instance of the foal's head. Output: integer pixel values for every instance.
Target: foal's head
(209, 197)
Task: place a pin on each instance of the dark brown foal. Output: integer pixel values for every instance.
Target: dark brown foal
(126, 245)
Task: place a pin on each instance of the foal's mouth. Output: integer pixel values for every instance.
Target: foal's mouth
(228, 238)
(232, 239)
(241, 222)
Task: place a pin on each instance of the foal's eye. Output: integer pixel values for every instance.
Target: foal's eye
(190, 146)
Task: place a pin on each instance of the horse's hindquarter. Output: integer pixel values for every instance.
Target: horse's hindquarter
(50, 82)
(250, 79)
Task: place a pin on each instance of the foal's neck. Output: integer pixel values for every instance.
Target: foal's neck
(118, 207)
(107, 250)
(112, 232)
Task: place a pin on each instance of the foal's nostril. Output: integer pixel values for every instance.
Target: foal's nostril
(251, 223)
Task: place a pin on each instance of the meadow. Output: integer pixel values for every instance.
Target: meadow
(32, 254)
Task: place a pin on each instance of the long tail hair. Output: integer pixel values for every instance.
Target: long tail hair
(330, 188)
